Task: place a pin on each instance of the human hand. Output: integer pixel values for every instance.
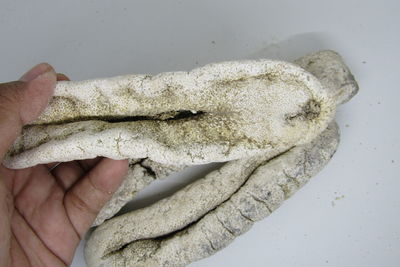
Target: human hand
(44, 213)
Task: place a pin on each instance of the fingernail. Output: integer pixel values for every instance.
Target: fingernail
(36, 71)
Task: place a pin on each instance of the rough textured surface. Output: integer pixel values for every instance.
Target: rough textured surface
(153, 239)
(184, 207)
(327, 66)
(218, 112)
(140, 174)
(207, 215)
(269, 117)
(330, 69)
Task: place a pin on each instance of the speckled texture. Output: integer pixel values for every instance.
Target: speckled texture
(207, 215)
(327, 66)
(236, 109)
(141, 173)
(195, 225)
(179, 210)
(269, 117)
(330, 69)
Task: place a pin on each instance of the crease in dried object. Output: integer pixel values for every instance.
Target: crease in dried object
(219, 112)
(271, 120)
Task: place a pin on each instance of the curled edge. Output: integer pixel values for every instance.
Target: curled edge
(261, 193)
(216, 113)
(140, 174)
(328, 66)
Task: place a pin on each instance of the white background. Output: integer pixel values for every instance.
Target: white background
(349, 215)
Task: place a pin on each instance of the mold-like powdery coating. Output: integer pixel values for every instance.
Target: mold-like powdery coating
(327, 66)
(219, 112)
(264, 186)
(140, 174)
(177, 211)
(332, 72)
(137, 228)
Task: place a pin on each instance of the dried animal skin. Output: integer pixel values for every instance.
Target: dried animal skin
(177, 244)
(332, 72)
(219, 112)
(184, 207)
(327, 66)
(140, 174)
(155, 239)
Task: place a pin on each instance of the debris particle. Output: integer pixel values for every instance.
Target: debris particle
(333, 203)
(339, 198)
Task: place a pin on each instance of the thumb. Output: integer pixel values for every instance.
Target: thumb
(22, 102)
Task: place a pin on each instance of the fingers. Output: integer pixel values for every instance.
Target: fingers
(37, 253)
(67, 173)
(84, 200)
(36, 71)
(37, 92)
(62, 77)
(50, 166)
(87, 164)
(22, 102)
(5, 233)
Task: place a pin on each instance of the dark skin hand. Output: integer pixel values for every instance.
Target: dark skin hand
(44, 213)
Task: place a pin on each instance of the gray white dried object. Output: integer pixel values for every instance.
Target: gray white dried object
(189, 225)
(207, 215)
(215, 113)
(270, 117)
(327, 66)
(332, 72)
(140, 174)
(136, 179)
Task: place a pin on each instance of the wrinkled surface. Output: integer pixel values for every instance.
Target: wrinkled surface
(327, 66)
(268, 118)
(215, 113)
(259, 187)
(189, 225)
(332, 72)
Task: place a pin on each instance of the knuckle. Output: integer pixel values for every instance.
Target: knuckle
(8, 199)
(80, 204)
(97, 187)
(25, 205)
(11, 94)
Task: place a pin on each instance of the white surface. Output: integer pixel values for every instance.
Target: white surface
(349, 215)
